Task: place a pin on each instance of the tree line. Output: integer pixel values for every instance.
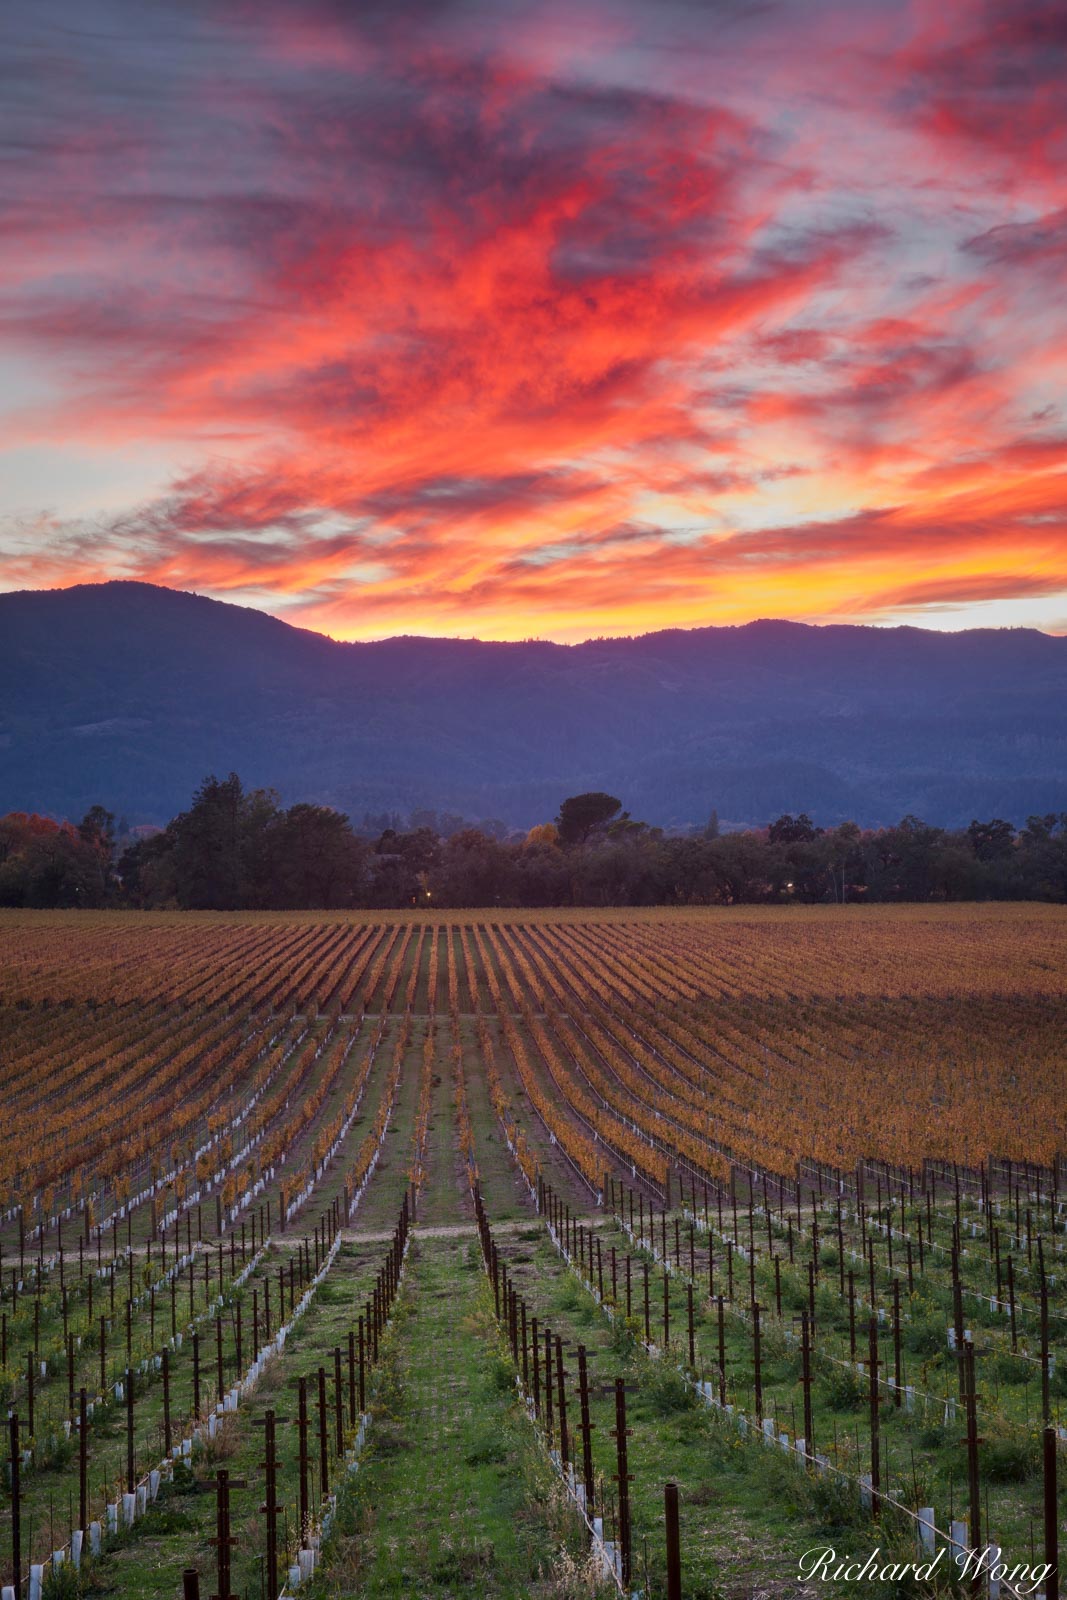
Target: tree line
(239, 849)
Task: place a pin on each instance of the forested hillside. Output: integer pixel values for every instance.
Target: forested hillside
(126, 694)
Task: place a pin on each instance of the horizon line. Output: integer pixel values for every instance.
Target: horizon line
(562, 644)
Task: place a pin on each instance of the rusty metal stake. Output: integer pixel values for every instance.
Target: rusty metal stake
(302, 1439)
(587, 1430)
(338, 1404)
(223, 1538)
(622, 1477)
(1052, 1533)
(16, 1510)
(270, 1505)
(674, 1547)
(561, 1405)
(324, 1436)
(876, 1456)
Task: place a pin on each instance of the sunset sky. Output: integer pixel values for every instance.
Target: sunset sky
(553, 320)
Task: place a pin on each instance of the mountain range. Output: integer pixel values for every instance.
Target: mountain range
(129, 694)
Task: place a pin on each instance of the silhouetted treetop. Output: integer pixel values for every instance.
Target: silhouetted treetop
(583, 814)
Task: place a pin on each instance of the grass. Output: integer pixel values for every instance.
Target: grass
(455, 1496)
(771, 1511)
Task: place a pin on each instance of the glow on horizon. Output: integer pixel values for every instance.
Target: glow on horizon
(530, 321)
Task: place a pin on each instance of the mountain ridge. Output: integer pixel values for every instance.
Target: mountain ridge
(128, 693)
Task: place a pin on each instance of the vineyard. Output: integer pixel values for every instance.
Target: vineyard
(543, 1254)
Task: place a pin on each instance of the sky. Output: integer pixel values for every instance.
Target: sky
(547, 320)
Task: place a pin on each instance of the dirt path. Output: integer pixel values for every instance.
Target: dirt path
(461, 1230)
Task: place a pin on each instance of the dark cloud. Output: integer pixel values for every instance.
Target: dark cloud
(995, 81)
(1042, 243)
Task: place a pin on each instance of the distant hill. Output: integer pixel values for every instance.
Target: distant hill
(129, 694)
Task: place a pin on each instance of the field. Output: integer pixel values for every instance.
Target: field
(349, 1255)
